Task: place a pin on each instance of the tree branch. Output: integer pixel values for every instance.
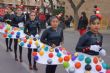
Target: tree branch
(72, 4)
(80, 4)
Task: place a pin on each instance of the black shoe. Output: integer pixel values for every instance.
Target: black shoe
(30, 67)
(35, 68)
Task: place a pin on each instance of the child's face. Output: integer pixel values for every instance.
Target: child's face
(32, 16)
(95, 26)
(54, 23)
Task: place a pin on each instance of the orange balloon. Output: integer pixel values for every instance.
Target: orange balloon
(60, 60)
(95, 60)
(41, 53)
(77, 65)
(98, 68)
(30, 42)
(34, 53)
(67, 58)
(6, 30)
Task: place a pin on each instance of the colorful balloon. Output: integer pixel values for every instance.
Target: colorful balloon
(66, 64)
(34, 53)
(98, 68)
(66, 58)
(60, 60)
(88, 60)
(77, 65)
(50, 55)
(41, 53)
(59, 55)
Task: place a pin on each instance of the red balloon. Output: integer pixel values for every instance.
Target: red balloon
(98, 68)
(4, 35)
(95, 60)
(25, 40)
(50, 55)
(34, 53)
(12, 32)
(66, 58)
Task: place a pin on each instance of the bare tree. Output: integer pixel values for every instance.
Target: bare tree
(76, 8)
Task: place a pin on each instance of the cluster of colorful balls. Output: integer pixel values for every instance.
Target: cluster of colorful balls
(29, 42)
(5, 28)
(80, 63)
(13, 33)
(52, 56)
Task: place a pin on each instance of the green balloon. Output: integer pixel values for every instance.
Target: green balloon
(8, 28)
(66, 65)
(88, 60)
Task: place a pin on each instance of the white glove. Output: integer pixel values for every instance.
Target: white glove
(37, 36)
(21, 24)
(32, 36)
(102, 52)
(95, 48)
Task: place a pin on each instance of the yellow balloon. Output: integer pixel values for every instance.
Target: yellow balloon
(19, 40)
(76, 54)
(43, 46)
(36, 43)
(41, 53)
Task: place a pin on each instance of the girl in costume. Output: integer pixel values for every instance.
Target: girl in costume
(8, 19)
(53, 37)
(32, 28)
(91, 39)
(17, 19)
(89, 49)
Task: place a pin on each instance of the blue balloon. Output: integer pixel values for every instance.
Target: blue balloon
(9, 35)
(29, 45)
(18, 33)
(36, 58)
(17, 36)
(46, 48)
(22, 43)
(104, 65)
(81, 57)
(73, 58)
(59, 54)
(56, 50)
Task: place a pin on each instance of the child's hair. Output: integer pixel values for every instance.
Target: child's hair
(32, 12)
(93, 18)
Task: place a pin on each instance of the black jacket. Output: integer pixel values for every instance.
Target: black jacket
(87, 40)
(83, 23)
(51, 36)
(17, 19)
(8, 18)
(32, 27)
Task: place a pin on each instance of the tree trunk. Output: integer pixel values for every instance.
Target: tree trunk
(52, 6)
(76, 17)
